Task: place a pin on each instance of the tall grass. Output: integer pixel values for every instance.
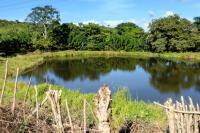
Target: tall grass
(124, 108)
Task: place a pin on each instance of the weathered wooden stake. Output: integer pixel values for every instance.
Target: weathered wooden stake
(15, 90)
(4, 82)
(25, 97)
(39, 105)
(103, 109)
(43, 102)
(27, 90)
(36, 102)
(54, 98)
(85, 116)
(69, 116)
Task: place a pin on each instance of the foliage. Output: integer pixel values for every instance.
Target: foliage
(43, 17)
(197, 22)
(123, 109)
(42, 31)
(60, 34)
(133, 110)
(77, 37)
(12, 42)
(172, 33)
(128, 37)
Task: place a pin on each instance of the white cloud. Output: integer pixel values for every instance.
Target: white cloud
(90, 21)
(145, 26)
(169, 13)
(132, 21)
(112, 23)
(21, 20)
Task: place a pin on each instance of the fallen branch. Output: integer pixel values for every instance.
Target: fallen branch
(69, 116)
(10, 122)
(39, 105)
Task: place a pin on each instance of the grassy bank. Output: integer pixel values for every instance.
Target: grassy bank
(31, 60)
(124, 108)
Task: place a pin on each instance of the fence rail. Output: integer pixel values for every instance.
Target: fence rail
(53, 98)
(182, 117)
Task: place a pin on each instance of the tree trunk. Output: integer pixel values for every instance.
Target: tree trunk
(102, 108)
(45, 31)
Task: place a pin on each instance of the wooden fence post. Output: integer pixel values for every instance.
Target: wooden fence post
(4, 82)
(15, 90)
(54, 98)
(84, 116)
(27, 90)
(182, 118)
(36, 102)
(170, 115)
(103, 109)
(69, 117)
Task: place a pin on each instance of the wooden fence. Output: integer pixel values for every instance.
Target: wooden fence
(102, 110)
(182, 117)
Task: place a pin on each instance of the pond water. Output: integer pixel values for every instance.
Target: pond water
(147, 79)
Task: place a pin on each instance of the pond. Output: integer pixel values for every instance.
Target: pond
(147, 79)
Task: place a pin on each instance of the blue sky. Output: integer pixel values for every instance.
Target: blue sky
(104, 12)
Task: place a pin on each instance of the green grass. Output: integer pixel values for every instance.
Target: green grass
(123, 107)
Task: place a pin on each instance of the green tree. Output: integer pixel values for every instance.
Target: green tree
(43, 16)
(94, 35)
(171, 33)
(128, 37)
(77, 39)
(12, 42)
(197, 23)
(60, 35)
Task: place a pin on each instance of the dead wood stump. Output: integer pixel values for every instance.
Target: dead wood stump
(103, 109)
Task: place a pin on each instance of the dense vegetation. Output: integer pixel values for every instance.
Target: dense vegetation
(124, 108)
(173, 34)
(42, 30)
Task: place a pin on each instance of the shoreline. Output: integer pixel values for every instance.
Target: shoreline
(143, 110)
(29, 60)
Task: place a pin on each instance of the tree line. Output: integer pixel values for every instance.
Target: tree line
(42, 30)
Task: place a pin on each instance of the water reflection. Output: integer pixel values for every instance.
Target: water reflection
(148, 79)
(171, 76)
